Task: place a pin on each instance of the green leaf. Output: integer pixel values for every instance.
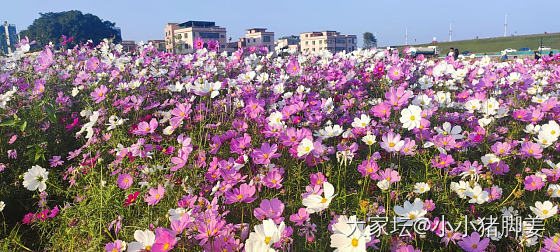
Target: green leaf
(50, 112)
(9, 123)
(23, 126)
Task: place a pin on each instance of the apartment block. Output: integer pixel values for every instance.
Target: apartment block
(289, 42)
(327, 40)
(8, 38)
(259, 37)
(180, 37)
(159, 44)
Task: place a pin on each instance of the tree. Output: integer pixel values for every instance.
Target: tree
(50, 27)
(369, 40)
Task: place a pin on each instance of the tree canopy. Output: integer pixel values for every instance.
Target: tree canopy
(50, 27)
(369, 40)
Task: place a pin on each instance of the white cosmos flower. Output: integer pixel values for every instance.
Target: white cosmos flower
(411, 116)
(2, 205)
(554, 190)
(544, 209)
(446, 130)
(532, 129)
(443, 97)
(275, 119)
(361, 122)
(460, 188)
(144, 241)
(477, 195)
(177, 213)
(421, 187)
(490, 106)
(369, 139)
(304, 147)
(550, 131)
(264, 236)
(383, 184)
(317, 203)
(422, 101)
(472, 105)
(35, 178)
(89, 126)
(489, 159)
(411, 211)
(349, 236)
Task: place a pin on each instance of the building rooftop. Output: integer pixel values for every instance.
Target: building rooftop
(198, 24)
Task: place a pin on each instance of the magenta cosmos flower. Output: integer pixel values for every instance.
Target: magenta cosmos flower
(265, 153)
(155, 195)
(473, 243)
(242, 194)
(533, 182)
(92, 63)
(165, 240)
(300, 217)
(198, 43)
(99, 94)
(124, 181)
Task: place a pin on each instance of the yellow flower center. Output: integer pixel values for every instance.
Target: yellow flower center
(324, 200)
(354, 242)
(239, 197)
(412, 118)
(267, 239)
(391, 144)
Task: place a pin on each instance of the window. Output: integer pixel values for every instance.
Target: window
(179, 36)
(313, 42)
(209, 35)
(320, 41)
(266, 38)
(222, 36)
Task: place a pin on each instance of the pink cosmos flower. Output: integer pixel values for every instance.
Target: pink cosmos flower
(530, 149)
(381, 110)
(300, 217)
(124, 181)
(391, 142)
(92, 63)
(145, 128)
(390, 175)
(369, 168)
(501, 148)
(317, 179)
(99, 94)
(242, 194)
(270, 209)
(473, 243)
(55, 161)
(265, 153)
(165, 240)
(155, 195)
(117, 245)
(293, 67)
(198, 43)
(395, 73)
(273, 179)
(533, 182)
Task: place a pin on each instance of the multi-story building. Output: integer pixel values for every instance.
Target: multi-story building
(159, 44)
(289, 42)
(128, 45)
(8, 38)
(259, 37)
(327, 40)
(179, 38)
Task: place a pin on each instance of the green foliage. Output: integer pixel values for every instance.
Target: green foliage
(369, 40)
(83, 27)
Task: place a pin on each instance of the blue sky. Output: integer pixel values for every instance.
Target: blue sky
(143, 20)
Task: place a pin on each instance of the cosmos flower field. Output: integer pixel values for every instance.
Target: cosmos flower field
(102, 149)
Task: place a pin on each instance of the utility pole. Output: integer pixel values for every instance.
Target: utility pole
(450, 32)
(406, 36)
(505, 26)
